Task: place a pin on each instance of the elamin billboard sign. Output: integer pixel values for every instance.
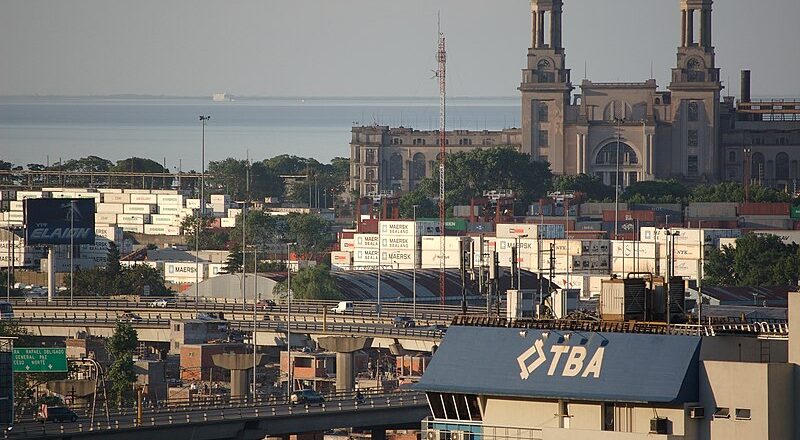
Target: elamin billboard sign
(59, 221)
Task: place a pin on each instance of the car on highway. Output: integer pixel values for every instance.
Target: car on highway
(266, 304)
(343, 307)
(128, 316)
(162, 303)
(211, 316)
(306, 396)
(56, 414)
(403, 322)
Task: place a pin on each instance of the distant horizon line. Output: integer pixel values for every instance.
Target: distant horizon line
(245, 97)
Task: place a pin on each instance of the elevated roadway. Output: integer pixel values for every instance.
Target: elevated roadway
(240, 421)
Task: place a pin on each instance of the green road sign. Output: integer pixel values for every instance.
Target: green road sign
(40, 360)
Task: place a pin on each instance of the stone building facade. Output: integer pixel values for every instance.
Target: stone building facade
(620, 132)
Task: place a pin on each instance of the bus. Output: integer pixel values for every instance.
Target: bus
(6, 310)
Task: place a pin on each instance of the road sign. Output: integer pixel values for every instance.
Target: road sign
(40, 360)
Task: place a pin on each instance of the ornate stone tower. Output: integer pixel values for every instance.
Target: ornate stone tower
(545, 86)
(695, 91)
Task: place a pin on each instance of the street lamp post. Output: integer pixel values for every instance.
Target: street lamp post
(255, 319)
(71, 249)
(288, 321)
(414, 268)
(203, 120)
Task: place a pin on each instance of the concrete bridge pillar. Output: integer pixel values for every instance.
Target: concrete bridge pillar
(239, 366)
(344, 347)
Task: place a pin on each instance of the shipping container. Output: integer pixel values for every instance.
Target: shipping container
(750, 208)
(531, 230)
(116, 198)
(430, 259)
(708, 237)
(786, 236)
(138, 209)
(227, 222)
(173, 210)
(136, 191)
(110, 208)
(347, 244)
(398, 259)
(170, 200)
(366, 241)
(341, 260)
(366, 255)
(164, 219)
(133, 219)
(184, 272)
(622, 216)
(193, 203)
(22, 195)
(136, 229)
(406, 227)
(710, 210)
(105, 218)
(633, 249)
(144, 199)
(595, 209)
(216, 269)
(161, 230)
(399, 242)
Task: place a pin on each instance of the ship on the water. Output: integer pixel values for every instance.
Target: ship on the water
(222, 97)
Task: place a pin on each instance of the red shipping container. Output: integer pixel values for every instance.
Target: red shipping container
(368, 226)
(642, 216)
(764, 209)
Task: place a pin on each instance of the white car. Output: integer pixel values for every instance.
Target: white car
(163, 303)
(343, 307)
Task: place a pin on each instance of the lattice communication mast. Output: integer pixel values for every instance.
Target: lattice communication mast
(441, 58)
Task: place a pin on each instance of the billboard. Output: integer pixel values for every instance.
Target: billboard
(59, 221)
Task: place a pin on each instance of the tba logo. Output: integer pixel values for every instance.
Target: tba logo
(574, 365)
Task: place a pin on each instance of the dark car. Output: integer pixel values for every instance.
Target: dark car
(306, 396)
(266, 304)
(56, 414)
(403, 322)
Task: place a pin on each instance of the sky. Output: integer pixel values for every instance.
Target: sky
(319, 48)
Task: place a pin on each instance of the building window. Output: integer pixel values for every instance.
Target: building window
(693, 115)
(783, 141)
(465, 141)
(418, 141)
(607, 154)
(395, 167)
(608, 416)
(397, 141)
(370, 175)
(633, 177)
(782, 166)
(692, 138)
(732, 156)
(371, 158)
(758, 141)
(543, 138)
(691, 168)
(542, 111)
(418, 167)
(742, 413)
(486, 142)
(722, 413)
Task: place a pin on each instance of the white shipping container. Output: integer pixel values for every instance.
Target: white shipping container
(164, 191)
(366, 241)
(787, 237)
(451, 244)
(138, 209)
(631, 249)
(347, 244)
(172, 210)
(430, 259)
(110, 208)
(145, 199)
(162, 230)
(170, 200)
(366, 255)
(136, 229)
(406, 227)
(399, 242)
(105, 218)
(234, 212)
(227, 222)
(727, 242)
(220, 199)
(341, 260)
(193, 203)
(164, 219)
(686, 268)
(154, 264)
(688, 236)
(215, 269)
(523, 245)
(133, 219)
(397, 259)
(184, 272)
(137, 191)
(116, 198)
(15, 205)
(686, 252)
(109, 190)
(532, 230)
(621, 265)
(112, 233)
(14, 216)
(22, 195)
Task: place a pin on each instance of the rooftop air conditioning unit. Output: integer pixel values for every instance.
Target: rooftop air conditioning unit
(697, 412)
(659, 425)
(457, 435)
(432, 434)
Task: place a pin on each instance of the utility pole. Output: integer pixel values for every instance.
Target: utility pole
(203, 120)
(441, 73)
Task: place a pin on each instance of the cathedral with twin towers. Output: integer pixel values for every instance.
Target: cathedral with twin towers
(622, 132)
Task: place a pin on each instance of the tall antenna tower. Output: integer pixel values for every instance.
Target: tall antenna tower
(441, 58)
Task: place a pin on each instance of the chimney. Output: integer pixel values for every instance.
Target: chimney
(745, 86)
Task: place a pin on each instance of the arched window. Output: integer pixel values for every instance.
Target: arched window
(695, 72)
(418, 167)
(608, 155)
(544, 71)
(395, 166)
(782, 166)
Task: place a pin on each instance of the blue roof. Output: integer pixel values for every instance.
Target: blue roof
(619, 367)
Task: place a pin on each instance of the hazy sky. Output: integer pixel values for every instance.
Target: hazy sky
(365, 47)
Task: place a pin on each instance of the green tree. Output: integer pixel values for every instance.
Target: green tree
(209, 238)
(314, 283)
(655, 191)
(230, 176)
(734, 192)
(233, 264)
(757, 260)
(426, 207)
(262, 230)
(138, 165)
(135, 278)
(311, 233)
(469, 174)
(121, 346)
(592, 186)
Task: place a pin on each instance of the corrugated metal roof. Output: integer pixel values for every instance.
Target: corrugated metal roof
(397, 285)
(730, 295)
(617, 367)
(749, 313)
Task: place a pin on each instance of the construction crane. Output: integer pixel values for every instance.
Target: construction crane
(441, 58)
